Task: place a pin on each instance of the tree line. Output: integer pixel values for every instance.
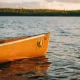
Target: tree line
(37, 12)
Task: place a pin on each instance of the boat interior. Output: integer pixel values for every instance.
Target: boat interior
(13, 39)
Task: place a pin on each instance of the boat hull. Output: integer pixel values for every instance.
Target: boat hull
(24, 48)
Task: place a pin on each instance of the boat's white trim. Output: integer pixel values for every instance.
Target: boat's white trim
(21, 40)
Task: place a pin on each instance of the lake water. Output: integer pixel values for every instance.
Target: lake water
(62, 61)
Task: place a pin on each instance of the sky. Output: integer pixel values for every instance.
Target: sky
(49, 4)
(15, 1)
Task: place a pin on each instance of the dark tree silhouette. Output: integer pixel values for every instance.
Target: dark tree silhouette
(37, 12)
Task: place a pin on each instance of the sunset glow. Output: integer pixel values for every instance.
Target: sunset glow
(43, 4)
(61, 5)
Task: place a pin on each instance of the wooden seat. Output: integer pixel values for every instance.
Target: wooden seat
(2, 41)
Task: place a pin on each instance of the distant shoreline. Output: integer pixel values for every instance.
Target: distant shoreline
(37, 12)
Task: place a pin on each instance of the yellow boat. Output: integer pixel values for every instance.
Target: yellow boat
(23, 47)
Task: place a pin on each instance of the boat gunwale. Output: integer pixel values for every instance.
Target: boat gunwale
(21, 40)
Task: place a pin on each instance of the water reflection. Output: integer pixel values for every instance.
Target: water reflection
(24, 69)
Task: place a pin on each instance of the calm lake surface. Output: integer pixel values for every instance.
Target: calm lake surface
(62, 61)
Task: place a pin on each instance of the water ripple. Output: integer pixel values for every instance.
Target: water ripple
(63, 53)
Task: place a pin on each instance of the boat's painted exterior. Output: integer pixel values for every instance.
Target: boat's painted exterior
(35, 46)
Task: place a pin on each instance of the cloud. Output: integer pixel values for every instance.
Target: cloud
(20, 5)
(42, 4)
(66, 1)
(19, 1)
(58, 4)
(49, 0)
(70, 1)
